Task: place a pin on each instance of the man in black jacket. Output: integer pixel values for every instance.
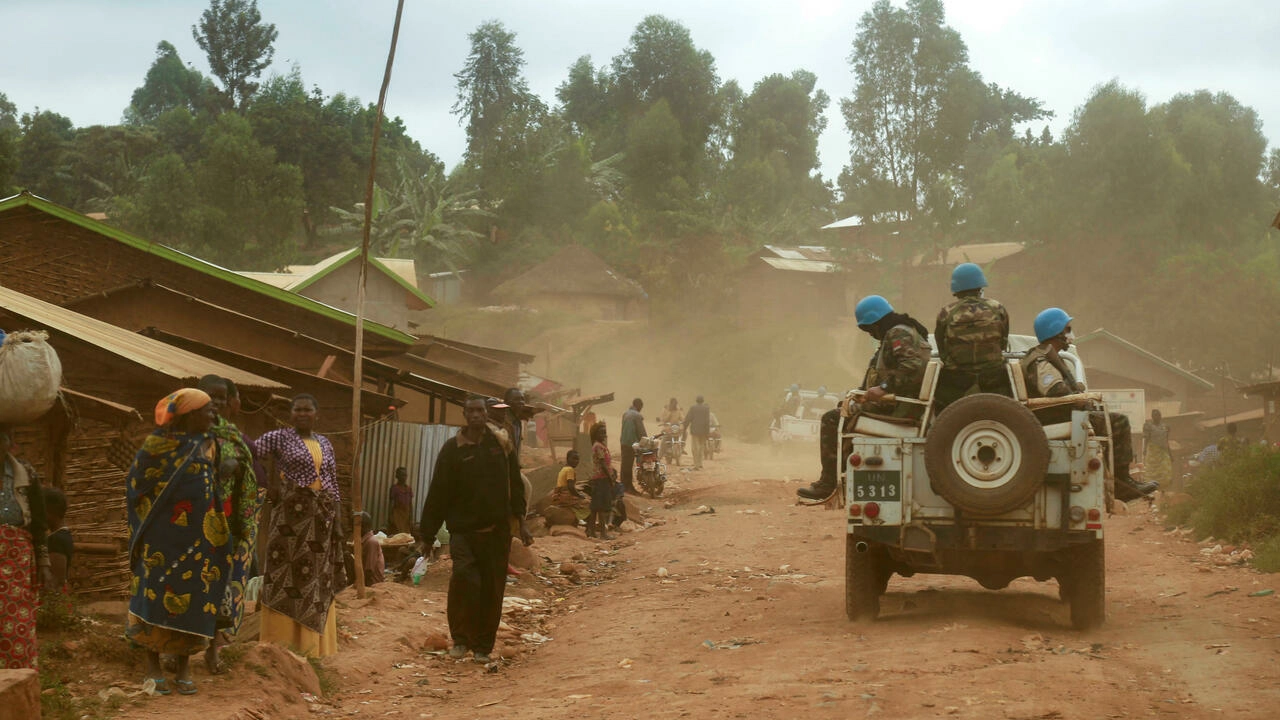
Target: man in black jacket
(477, 491)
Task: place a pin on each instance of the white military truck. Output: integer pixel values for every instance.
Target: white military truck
(803, 426)
(982, 490)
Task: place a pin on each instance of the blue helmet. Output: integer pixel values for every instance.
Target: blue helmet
(822, 390)
(870, 309)
(967, 276)
(1050, 323)
(795, 387)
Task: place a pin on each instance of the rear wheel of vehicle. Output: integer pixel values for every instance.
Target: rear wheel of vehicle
(986, 454)
(1087, 588)
(862, 583)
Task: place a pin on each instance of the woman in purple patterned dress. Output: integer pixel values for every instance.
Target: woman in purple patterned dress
(304, 567)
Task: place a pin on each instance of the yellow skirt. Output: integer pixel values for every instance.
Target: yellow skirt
(278, 627)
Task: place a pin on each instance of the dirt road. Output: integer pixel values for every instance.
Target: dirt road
(739, 614)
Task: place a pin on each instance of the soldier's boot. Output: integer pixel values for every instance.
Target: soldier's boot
(828, 442)
(1128, 489)
(825, 485)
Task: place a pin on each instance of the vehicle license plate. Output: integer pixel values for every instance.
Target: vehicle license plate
(882, 485)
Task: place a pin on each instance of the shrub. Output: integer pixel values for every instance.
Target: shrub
(1237, 501)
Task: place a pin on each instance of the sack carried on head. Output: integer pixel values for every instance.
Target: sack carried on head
(30, 375)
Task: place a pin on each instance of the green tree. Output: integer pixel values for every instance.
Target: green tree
(107, 161)
(169, 84)
(10, 132)
(251, 206)
(774, 151)
(164, 207)
(662, 65)
(915, 111)
(424, 216)
(584, 98)
(491, 87)
(43, 155)
(1222, 144)
(238, 45)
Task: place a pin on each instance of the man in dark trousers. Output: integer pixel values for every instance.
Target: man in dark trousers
(697, 422)
(632, 431)
(477, 492)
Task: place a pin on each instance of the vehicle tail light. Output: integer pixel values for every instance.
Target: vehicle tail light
(855, 510)
(855, 460)
(1077, 513)
(1094, 514)
(871, 510)
(1094, 464)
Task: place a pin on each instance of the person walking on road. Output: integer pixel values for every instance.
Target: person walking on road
(697, 422)
(477, 491)
(632, 431)
(1157, 461)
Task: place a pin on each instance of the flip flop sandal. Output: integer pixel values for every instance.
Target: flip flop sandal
(162, 685)
(185, 687)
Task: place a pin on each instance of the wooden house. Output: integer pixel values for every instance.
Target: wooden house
(787, 282)
(58, 255)
(392, 297)
(112, 380)
(576, 281)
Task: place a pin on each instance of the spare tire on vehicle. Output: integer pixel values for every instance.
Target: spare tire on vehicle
(986, 454)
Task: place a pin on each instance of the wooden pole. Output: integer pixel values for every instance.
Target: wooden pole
(357, 379)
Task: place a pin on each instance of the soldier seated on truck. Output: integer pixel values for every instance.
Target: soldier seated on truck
(897, 368)
(1047, 375)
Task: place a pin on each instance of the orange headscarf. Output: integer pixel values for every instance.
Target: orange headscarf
(180, 403)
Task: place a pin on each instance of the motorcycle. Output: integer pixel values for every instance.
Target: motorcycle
(651, 474)
(713, 442)
(672, 444)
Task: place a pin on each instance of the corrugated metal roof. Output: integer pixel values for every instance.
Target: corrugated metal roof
(851, 221)
(280, 280)
(816, 266)
(980, 253)
(153, 354)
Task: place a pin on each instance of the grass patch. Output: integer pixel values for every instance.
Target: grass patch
(328, 683)
(1238, 501)
(1266, 557)
(57, 613)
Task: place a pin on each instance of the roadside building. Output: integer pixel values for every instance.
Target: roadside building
(112, 379)
(576, 281)
(392, 297)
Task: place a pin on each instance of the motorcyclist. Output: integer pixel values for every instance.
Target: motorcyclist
(897, 367)
(1047, 375)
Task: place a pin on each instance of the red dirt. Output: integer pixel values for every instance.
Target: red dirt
(747, 621)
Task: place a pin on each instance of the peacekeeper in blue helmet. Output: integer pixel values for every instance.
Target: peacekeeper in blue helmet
(897, 368)
(972, 333)
(1047, 375)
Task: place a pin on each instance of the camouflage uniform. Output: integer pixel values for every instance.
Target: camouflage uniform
(898, 367)
(972, 334)
(1047, 376)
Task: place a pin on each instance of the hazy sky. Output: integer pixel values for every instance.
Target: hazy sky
(84, 58)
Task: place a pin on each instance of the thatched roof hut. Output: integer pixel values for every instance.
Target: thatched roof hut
(577, 281)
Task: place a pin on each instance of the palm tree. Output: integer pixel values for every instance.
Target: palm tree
(423, 215)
